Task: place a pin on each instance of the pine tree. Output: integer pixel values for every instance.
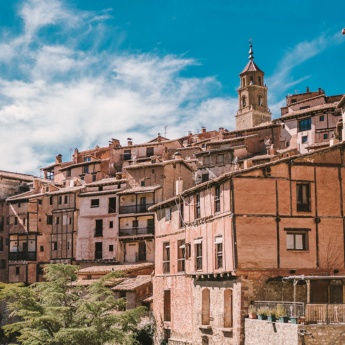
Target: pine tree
(56, 312)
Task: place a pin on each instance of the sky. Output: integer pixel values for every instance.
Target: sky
(76, 73)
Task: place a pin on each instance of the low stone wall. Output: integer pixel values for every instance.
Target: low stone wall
(259, 332)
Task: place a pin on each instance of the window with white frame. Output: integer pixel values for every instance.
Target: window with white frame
(166, 257)
(181, 251)
(198, 254)
(219, 251)
(297, 239)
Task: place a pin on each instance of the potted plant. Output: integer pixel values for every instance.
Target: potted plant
(281, 314)
(294, 319)
(262, 313)
(272, 315)
(252, 311)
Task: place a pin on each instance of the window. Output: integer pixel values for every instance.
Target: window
(15, 220)
(251, 80)
(303, 197)
(304, 107)
(217, 199)
(111, 247)
(66, 199)
(57, 220)
(94, 177)
(85, 169)
(2, 263)
(166, 257)
(39, 202)
(220, 159)
(150, 226)
(287, 143)
(1, 244)
(111, 224)
(142, 183)
(243, 82)
(87, 159)
(297, 239)
(259, 79)
(198, 254)
(94, 203)
(219, 251)
(51, 200)
(205, 307)
(68, 173)
(143, 207)
(181, 216)
(54, 245)
(205, 177)
(243, 101)
(99, 228)
(168, 214)
(49, 219)
(17, 271)
(18, 204)
(135, 223)
(260, 100)
(167, 305)
(325, 135)
(197, 206)
(207, 160)
(98, 250)
(100, 188)
(41, 248)
(149, 151)
(304, 125)
(227, 308)
(304, 139)
(127, 155)
(181, 251)
(322, 118)
(112, 205)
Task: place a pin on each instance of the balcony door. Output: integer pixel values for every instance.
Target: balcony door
(143, 204)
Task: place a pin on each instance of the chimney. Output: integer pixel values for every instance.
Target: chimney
(190, 133)
(179, 186)
(320, 91)
(159, 138)
(58, 159)
(177, 155)
(272, 151)
(203, 129)
(129, 141)
(307, 90)
(221, 133)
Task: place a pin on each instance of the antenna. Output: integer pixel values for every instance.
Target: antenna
(165, 131)
(70, 153)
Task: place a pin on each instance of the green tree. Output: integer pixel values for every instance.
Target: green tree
(56, 312)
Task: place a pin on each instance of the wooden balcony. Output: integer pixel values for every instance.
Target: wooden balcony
(325, 313)
(135, 232)
(140, 208)
(20, 256)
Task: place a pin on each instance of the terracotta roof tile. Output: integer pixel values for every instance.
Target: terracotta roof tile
(130, 284)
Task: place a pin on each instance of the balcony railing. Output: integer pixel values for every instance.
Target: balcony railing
(135, 208)
(137, 231)
(18, 256)
(291, 308)
(325, 313)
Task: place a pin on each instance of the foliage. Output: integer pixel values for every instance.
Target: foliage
(252, 309)
(55, 312)
(272, 312)
(263, 311)
(280, 311)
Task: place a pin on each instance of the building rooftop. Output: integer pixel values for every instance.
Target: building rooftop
(130, 268)
(130, 284)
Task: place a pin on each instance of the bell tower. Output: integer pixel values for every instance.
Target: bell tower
(252, 96)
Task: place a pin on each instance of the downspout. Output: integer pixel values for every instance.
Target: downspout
(232, 209)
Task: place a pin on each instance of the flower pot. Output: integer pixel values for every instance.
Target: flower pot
(262, 317)
(271, 318)
(252, 316)
(294, 320)
(284, 319)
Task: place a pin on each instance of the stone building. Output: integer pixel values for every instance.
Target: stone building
(310, 120)
(227, 242)
(98, 224)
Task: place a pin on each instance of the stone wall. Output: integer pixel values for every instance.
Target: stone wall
(259, 332)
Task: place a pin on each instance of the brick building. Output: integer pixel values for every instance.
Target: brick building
(217, 244)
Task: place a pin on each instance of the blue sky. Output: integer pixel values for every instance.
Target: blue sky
(76, 73)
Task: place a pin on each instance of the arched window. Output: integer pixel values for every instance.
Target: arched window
(259, 78)
(228, 308)
(205, 311)
(244, 101)
(243, 82)
(261, 103)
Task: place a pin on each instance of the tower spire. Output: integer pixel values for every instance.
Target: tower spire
(251, 53)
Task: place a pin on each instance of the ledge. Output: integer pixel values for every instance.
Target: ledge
(225, 329)
(204, 326)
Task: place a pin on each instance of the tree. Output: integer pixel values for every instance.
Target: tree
(56, 312)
